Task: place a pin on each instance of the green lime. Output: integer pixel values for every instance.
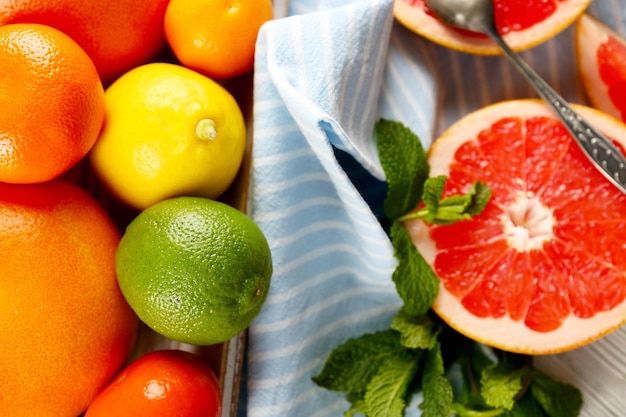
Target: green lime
(194, 270)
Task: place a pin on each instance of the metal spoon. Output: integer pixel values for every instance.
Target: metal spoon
(477, 16)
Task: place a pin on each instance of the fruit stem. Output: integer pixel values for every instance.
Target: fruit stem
(205, 129)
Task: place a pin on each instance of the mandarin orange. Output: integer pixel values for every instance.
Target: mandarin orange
(117, 35)
(216, 37)
(164, 383)
(52, 103)
(65, 329)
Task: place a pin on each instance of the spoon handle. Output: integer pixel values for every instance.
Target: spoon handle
(600, 150)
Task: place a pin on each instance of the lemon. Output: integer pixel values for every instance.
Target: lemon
(194, 270)
(168, 131)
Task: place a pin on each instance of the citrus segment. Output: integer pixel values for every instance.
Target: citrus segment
(601, 59)
(522, 23)
(541, 269)
(52, 103)
(65, 329)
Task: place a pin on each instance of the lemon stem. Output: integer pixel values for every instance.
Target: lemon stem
(205, 129)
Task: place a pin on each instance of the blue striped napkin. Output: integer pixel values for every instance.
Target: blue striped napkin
(323, 77)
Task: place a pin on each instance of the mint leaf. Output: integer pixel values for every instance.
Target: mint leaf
(556, 398)
(388, 390)
(501, 383)
(450, 209)
(404, 162)
(416, 283)
(417, 332)
(433, 189)
(358, 407)
(351, 366)
(526, 406)
(437, 389)
(479, 194)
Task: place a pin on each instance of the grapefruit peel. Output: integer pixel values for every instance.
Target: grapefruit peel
(505, 333)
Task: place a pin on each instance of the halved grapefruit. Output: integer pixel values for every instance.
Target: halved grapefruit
(523, 23)
(543, 268)
(601, 59)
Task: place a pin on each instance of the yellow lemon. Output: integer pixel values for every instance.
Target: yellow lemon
(169, 131)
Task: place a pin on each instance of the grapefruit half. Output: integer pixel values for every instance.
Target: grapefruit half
(601, 59)
(522, 23)
(543, 268)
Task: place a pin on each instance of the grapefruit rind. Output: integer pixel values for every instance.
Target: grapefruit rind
(590, 34)
(505, 333)
(425, 25)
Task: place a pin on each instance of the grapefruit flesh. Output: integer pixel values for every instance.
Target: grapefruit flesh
(543, 268)
(523, 23)
(601, 59)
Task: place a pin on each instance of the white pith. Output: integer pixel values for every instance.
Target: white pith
(527, 223)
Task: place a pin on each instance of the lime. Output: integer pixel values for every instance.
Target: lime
(169, 131)
(194, 270)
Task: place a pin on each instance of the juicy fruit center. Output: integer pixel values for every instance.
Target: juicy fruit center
(527, 222)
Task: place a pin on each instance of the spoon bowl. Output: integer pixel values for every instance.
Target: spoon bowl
(478, 16)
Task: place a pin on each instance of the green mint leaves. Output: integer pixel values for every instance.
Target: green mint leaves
(381, 372)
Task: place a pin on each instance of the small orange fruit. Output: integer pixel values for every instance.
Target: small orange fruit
(601, 59)
(523, 23)
(52, 103)
(163, 383)
(65, 329)
(543, 268)
(216, 37)
(117, 35)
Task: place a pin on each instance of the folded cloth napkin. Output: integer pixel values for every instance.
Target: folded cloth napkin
(323, 76)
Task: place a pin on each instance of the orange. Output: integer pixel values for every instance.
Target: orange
(601, 59)
(65, 329)
(52, 103)
(543, 268)
(165, 383)
(117, 35)
(523, 23)
(216, 37)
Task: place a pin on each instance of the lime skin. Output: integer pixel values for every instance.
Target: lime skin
(194, 270)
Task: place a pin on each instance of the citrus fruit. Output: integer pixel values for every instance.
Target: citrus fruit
(601, 59)
(52, 103)
(164, 383)
(522, 23)
(542, 269)
(117, 35)
(169, 131)
(65, 328)
(194, 270)
(216, 37)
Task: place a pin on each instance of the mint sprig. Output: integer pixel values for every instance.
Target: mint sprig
(380, 372)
